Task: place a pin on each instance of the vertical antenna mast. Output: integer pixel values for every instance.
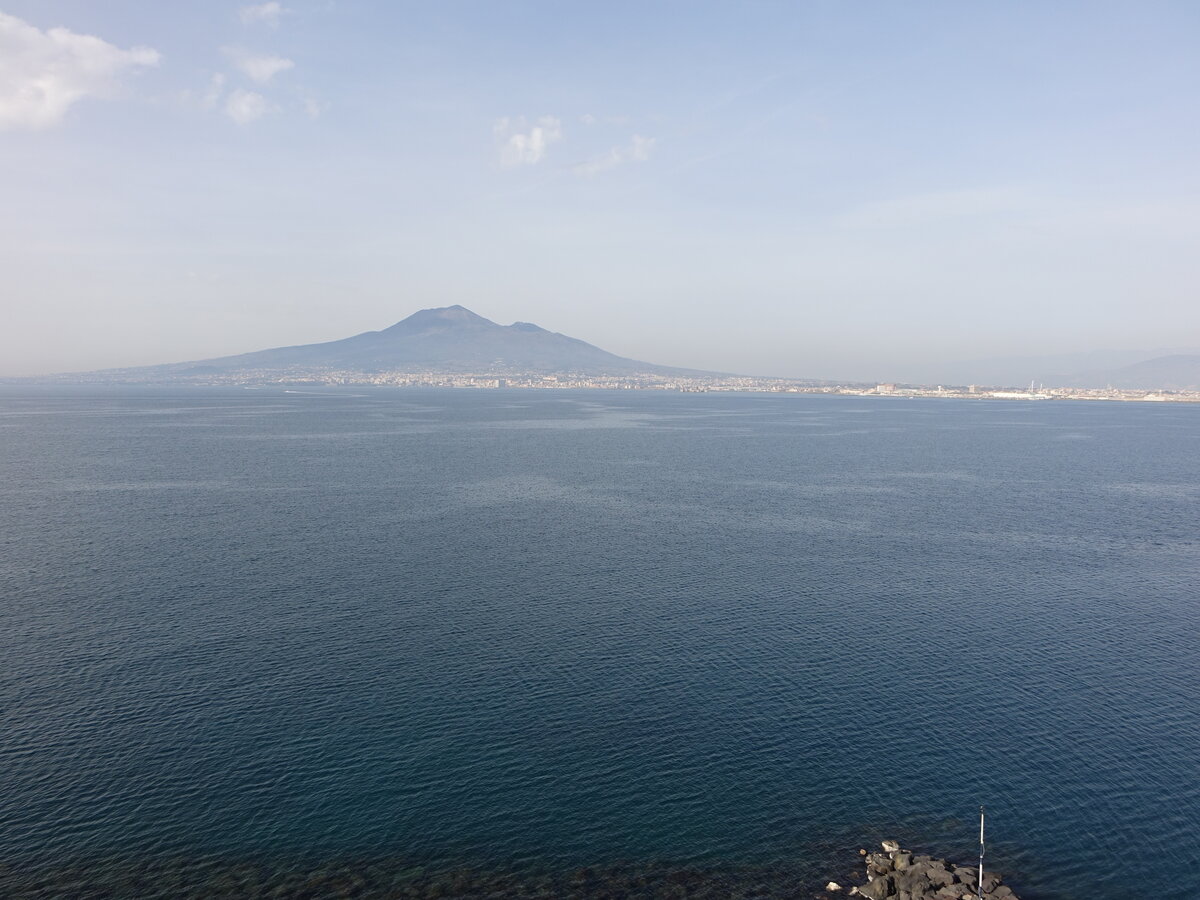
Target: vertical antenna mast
(980, 884)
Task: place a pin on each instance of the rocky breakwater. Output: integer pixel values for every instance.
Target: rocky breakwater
(897, 874)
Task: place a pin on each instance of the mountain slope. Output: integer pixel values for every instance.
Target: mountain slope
(450, 339)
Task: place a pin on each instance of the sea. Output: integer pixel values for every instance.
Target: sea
(433, 642)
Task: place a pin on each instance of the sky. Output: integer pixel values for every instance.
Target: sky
(866, 190)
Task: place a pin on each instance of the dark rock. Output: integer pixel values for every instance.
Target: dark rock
(940, 876)
(915, 881)
(900, 874)
(878, 889)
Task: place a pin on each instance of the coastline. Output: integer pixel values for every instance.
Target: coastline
(654, 383)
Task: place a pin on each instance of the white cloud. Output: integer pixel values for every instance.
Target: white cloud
(44, 73)
(260, 69)
(267, 13)
(245, 106)
(314, 107)
(213, 94)
(588, 119)
(598, 164)
(640, 148)
(637, 150)
(518, 147)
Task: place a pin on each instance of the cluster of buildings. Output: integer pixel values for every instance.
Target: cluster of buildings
(648, 381)
(1039, 393)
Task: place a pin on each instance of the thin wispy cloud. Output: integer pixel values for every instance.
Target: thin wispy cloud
(259, 68)
(44, 73)
(519, 146)
(592, 119)
(245, 107)
(212, 94)
(262, 13)
(314, 108)
(942, 206)
(639, 149)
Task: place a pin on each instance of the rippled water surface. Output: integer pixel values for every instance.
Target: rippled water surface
(518, 633)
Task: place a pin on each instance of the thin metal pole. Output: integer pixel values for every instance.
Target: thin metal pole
(979, 891)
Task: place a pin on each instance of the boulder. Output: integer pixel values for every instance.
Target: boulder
(833, 886)
(901, 860)
(878, 864)
(915, 881)
(937, 876)
(879, 889)
(890, 846)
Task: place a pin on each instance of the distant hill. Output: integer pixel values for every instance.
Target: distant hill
(450, 340)
(1176, 372)
(1164, 369)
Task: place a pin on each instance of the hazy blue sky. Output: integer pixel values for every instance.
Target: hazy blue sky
(840, 189)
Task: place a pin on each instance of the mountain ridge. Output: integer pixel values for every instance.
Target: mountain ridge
(448, 340)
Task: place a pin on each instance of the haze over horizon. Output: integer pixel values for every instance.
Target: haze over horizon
(867, 192)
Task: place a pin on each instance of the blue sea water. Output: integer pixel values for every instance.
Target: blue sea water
(530, 631)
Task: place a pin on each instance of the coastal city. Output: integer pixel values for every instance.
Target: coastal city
(648, 381)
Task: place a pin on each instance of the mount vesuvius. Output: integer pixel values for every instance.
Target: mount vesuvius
(450, 340)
